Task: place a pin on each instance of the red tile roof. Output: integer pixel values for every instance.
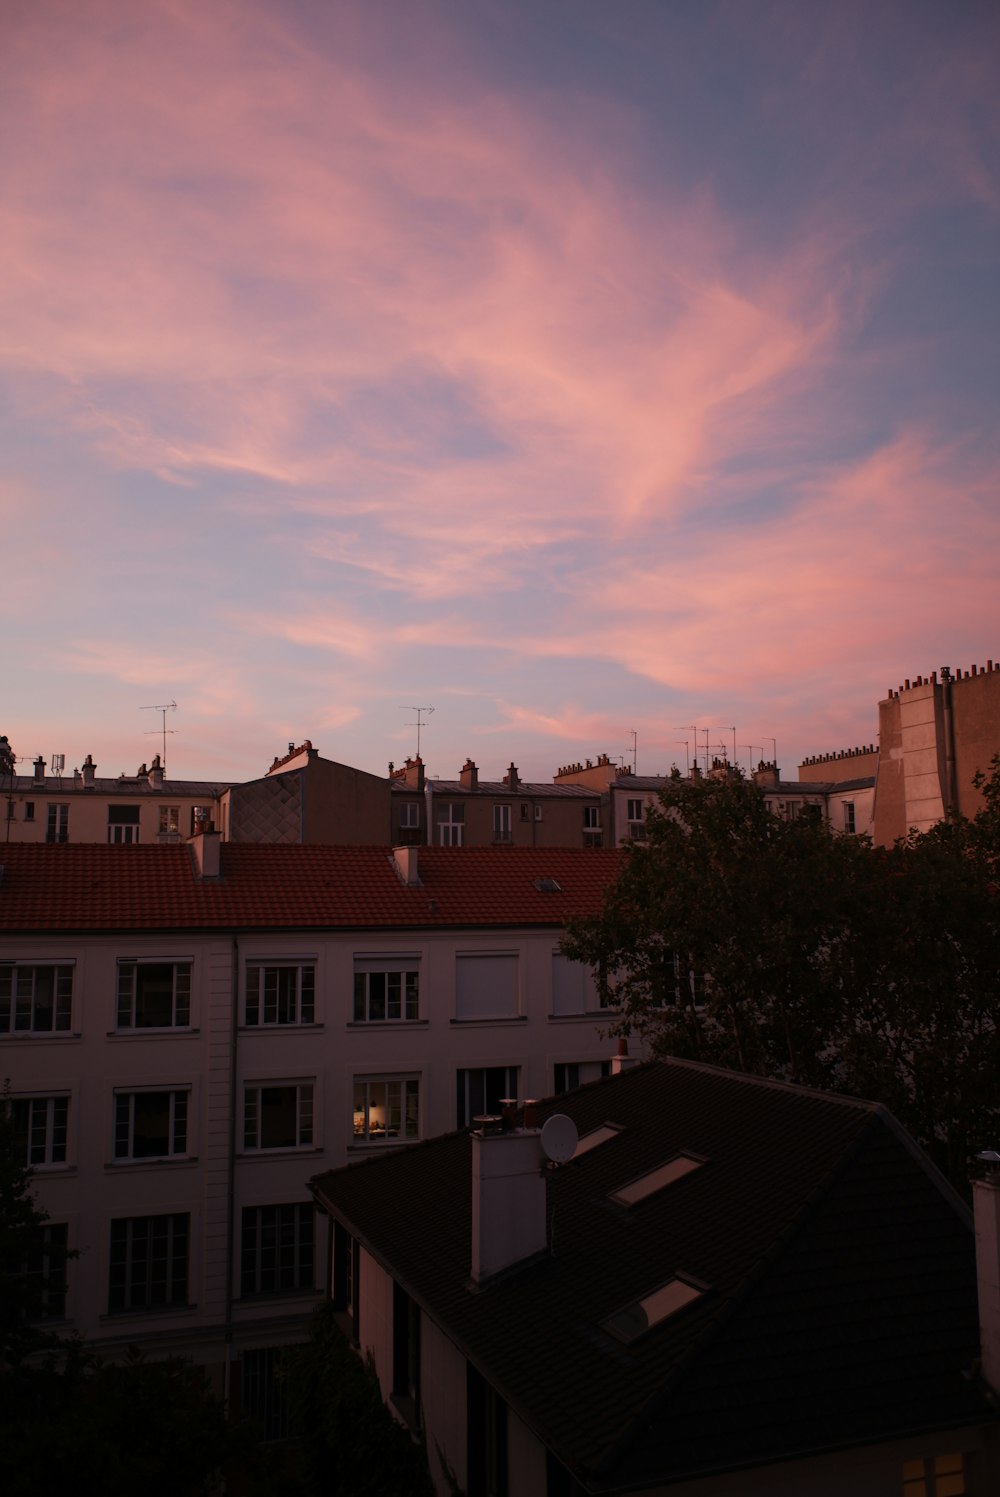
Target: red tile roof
(84, 886)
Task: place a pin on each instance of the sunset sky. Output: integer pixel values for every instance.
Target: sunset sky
(576, 367)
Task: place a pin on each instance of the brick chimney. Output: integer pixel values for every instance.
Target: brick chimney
(156, 774)
(88, 772)
(413, 775)
(508, 1197)
(512, 778)
(469, 776)
(623, 1061)
(39, 771)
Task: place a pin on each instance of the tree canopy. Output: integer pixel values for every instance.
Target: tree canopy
(781, 948)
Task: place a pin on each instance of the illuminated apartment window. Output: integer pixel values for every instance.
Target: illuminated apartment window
(641, 1316)
(646, 1185)
(386, 1109)
(935, 1476)
(170, 821)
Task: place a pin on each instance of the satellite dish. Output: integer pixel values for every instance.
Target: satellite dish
(559, 1138)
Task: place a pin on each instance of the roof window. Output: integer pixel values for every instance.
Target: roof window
(665, 1174)
(597, 1136)
(548, 885)
(641, 1316)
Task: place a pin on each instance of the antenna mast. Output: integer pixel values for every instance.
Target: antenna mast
(163, 708)
(420, 711)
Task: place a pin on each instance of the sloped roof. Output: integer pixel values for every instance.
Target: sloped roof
(96, 886)
(128, 787)
(840, 1307)
(499, 788)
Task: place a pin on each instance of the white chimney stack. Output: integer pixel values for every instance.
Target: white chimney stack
(206, 847)
(508, 1198)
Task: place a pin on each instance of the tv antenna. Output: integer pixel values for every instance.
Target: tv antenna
(163, 708)
(635, 749)
(420, 711)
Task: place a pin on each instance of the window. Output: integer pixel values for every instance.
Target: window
(170, 821)
(409, 814)
(264, 1392)
(57, 823)
(280, 994)
(525, 811)
(592, 835)
(123, 823)
(480, 1092)
(572, 986)
(648, 1184)
(935, 1476)
(29, 811)
(10, 810)
(386, 989)
(569, 1074)
(386, 1109)
(40, 1125)
(154, 994)
(632, 1322)
(451, 825)
(278, 1116)
(486, 986)
(150, 1125)
(45, 1270)
(149, 1262)
(636, 820)
(501, 823)
(35, 999)
(406, 1356)
(635, 810)
(276, 1249)
(848, 816)
(200, 816)
(486, 1418)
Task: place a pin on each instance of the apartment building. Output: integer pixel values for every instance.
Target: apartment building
(511, 812)
(191, 1031)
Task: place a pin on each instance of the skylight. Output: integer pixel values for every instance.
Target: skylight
(548, 885)
(596, 1136)
(638, 1318)
(666, 1174)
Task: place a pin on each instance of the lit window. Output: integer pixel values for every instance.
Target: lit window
(149, 1262)
(501, 823)
(123, 823)
(280, 994)
(386, 1109)
(154, 994)
(40, 1125)
(170, 821)
(150, 1125)
(646, 1185)
(386, 989)
(276, 1249)
(935, 1476)
(35, 999)
(632, 1322)
(278, 1117)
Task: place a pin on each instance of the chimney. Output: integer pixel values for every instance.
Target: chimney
(413, 776)
(623, 1061)
(407, 863)
(40, 770)
(986, 1207)
(508, 1197)
(156, 774)
(469, 776)
(89, 771)
(512, 778)
(205, 844)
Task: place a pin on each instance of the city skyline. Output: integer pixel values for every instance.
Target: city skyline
(576, 370)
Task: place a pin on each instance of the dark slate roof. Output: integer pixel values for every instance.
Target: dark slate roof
(841, 1303)
(97, 886)
(127, 786)
(497, 788)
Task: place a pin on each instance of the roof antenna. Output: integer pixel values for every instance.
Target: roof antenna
(163, 708)
(419, 711)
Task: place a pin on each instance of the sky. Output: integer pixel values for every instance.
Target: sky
(591, 371)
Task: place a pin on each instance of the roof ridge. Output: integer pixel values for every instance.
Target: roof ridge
(863, 1104)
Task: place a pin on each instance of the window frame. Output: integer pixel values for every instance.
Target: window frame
(56, 821)
(408, 1128)
(504, 1083)
(45, 1128)
(14, 1004)
(254, 1122)
(466, 1014)
(453, 824)
(287, 1239)
(303, 1000)
(123, 827)
(401, 1007)
(409, 815)
(502, 821)
(850, 820)
(45, 1268)
(176, 1131)
(169, 821)
(129, 995)
(133, 1281)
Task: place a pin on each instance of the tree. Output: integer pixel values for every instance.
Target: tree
(786, 950)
